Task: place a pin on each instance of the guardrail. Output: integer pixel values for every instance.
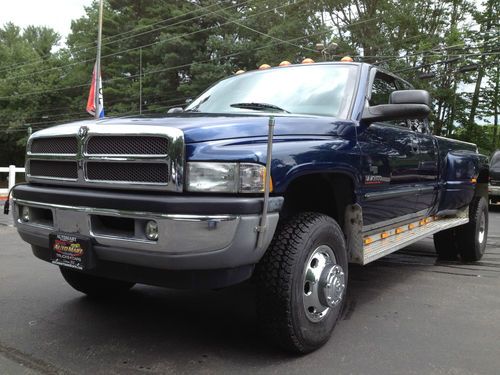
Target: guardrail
(11, 170)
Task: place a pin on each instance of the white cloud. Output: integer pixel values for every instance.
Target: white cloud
(56, 14)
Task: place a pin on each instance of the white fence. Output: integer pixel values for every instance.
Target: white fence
(11, 170)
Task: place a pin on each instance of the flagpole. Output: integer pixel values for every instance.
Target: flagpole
(98, 63)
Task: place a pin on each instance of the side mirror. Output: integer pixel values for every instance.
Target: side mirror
(410, 97)
(176, 110)
(403, 105)
(391, 112)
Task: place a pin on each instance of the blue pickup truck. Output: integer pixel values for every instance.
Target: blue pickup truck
(283, 176)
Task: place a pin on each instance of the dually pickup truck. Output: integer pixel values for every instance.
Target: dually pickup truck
(283, 176)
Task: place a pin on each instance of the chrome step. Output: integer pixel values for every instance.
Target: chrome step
(386, 242)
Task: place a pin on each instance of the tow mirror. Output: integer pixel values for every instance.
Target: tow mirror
(410, 97)
(403, 105)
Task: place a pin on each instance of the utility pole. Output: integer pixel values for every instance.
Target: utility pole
(140, 81)
(98, 64)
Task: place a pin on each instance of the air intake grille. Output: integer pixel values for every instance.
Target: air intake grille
(123, 145)
(53, 169)
(156, 173)
(59, 145)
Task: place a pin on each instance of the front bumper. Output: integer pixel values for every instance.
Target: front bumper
(195, 233)
(494, 191)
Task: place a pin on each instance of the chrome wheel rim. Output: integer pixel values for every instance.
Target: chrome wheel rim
(482, 228)
(323, 283)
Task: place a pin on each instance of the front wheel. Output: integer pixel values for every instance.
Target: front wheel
(302, 281)
(94, 286)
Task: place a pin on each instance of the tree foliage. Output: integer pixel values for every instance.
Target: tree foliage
(158, 53)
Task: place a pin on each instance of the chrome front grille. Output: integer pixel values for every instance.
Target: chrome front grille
(53, 169)
(153, 173)
(127, 145)
(108, 156)
(56, 145)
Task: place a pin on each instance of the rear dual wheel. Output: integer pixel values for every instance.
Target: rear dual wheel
(469, 240)
(301, 282)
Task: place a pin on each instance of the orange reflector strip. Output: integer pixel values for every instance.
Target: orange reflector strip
(384, 235)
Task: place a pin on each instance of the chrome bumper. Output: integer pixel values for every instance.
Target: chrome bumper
(186, 242)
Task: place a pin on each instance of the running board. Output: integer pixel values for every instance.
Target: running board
(379, 244)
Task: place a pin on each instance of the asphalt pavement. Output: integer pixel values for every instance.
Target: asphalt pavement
(406, 314)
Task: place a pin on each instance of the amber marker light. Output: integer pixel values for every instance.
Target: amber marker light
(347, 59)
(399, 230)
(239, 72)
(285, 63)
(384, 235)
(308, 61)
(411, 226)
(367, 240)
(473, 180)
(264, 66)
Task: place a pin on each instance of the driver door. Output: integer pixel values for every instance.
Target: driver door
(390, 164)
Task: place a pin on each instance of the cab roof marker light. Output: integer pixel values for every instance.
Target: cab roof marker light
(347, 59)
(307, 60)
(264, 66)
(285, 63)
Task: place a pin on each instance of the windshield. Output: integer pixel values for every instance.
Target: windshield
(324, 90)
(495, 160)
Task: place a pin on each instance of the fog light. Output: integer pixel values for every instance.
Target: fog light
(25, 214)
(152, 230)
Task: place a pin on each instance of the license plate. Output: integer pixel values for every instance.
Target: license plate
(71, 251)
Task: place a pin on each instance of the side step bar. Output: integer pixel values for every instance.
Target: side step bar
(377, 245)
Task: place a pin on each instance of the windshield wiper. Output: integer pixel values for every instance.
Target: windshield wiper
(195, 108)
(259, 106)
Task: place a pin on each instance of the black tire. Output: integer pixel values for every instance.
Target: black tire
(280, 279)
(472, 237)
(446, 244)
(94, 286)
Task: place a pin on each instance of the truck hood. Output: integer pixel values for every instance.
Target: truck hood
(204, 127)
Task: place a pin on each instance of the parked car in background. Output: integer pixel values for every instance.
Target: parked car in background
(494, 186)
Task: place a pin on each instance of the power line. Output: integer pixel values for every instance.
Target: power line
(264, 34)
(17, 66)
(146, 45)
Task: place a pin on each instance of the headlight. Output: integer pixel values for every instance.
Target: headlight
(225, 177)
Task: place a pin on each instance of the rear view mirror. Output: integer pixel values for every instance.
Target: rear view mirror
(410, 97)
(403, 105)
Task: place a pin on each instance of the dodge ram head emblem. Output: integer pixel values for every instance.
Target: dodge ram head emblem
(82, 132)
